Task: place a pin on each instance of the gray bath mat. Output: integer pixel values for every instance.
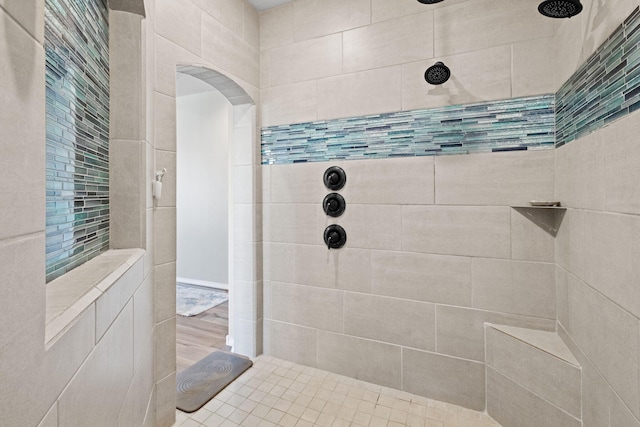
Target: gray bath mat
(192, 300)
(199, 383)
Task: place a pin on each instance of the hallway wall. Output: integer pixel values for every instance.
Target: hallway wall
(205, 128)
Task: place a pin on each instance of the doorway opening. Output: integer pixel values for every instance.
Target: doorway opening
(218, 244)
(204, 119)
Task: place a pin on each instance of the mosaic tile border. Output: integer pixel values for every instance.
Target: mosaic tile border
(507, 125)
(77, 129)
(605, 88)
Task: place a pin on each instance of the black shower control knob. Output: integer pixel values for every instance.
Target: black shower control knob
(334, 205)
(334, 178)
(334, 236)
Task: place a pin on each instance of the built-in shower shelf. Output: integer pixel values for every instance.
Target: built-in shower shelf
(548, 218)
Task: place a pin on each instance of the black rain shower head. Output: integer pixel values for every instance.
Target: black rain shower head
(560, 8)
(437, 74)
(429, 1)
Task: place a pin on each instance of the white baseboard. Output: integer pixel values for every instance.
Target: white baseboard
(204, 283)
(229, 342)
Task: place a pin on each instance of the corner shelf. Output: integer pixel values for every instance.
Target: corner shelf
(548, 218)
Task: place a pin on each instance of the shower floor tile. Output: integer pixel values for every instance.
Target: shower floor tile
(279, 393)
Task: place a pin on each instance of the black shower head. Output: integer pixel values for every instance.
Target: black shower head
(429, 1)
(560, 8)
(437, 74)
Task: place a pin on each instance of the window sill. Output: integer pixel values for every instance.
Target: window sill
(69, 296)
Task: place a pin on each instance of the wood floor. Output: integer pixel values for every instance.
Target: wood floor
(200, 335)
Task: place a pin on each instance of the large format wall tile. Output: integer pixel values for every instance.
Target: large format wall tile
(612, 253)
(366, 360)
(165, 237)
(600, 20)
(376, 45)
(315, 18)
(542, 364)
(483, 75)
(431, 278)
(278, 262)
(294, 343)
(229, 51)
(289, 223)
(22, 263)
(580, 173)
(381, 10)
(347, 269)
(495, 179)
(293, 103)
(388, 181)
(164, 122)
(571, 243)
(511, 404)
(116, 297)
(439, 377)
(230, 13)
(622, 166)
(125, 91)
(135, 404)
(276, 26)
(533, 70)
(517, 287)
(301, 183)
(30, 15)
(307, 306)
(471, 231)
(458, 27)
(391, 320)
(306, 60)
(609, 339)
(143, 321)
(165, 291)
(367, 226)
(361, 93)
(529, 241)
(167, 55)
(460, 331)
(165, 349)
(111, 366)
(179, 21)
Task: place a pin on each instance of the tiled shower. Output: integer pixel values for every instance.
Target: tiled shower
(448, 274)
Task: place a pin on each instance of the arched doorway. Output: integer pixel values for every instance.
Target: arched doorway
(244, 273)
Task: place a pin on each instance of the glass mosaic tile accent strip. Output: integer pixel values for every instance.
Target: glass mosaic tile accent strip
(507, 125)
(77, 129)
(605, 88)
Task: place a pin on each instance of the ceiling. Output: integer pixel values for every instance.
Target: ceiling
(267, 4)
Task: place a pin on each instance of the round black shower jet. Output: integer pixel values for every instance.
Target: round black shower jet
(429, 1)
(437, 74)
(560, 8)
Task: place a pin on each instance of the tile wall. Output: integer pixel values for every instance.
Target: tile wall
(605, 88)
(100, 370)
(77, 129)
(434, 250)
(433, 238)
(508, 125)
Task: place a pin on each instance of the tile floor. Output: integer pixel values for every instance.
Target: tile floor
(279, 393)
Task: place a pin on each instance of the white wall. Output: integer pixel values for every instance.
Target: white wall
(203, 124)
